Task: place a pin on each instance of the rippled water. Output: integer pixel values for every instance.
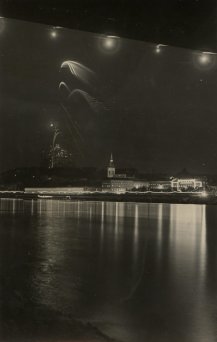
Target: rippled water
(136, 272)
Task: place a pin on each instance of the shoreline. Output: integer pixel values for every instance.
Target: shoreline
(172, 198)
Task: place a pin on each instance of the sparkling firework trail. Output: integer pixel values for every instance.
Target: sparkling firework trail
(79, 70)
(85, 75)
(64, 85)
(73, 123)
(93, 103)
(74, 130)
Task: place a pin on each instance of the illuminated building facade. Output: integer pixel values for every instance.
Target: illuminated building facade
(120, 183)
(184, 184)
(117, 185)
(54, 190)
(159, 185)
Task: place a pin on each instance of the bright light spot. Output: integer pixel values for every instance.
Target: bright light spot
(204, 194)
(109, 44)
(53, 34)
(51, 125)
(204, 60)
(157, 49)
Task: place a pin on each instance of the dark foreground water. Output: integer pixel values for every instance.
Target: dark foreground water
(92, 271)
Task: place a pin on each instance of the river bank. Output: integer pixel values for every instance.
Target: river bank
(148, 197)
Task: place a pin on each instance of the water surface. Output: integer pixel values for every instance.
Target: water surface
(136, 272)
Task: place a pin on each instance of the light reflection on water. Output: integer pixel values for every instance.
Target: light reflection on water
(137, 271)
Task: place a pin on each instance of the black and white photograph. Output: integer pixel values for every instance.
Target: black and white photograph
(108, 187)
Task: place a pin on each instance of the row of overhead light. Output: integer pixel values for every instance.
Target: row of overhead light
(111, 44)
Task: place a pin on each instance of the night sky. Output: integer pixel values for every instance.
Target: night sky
(153, 106)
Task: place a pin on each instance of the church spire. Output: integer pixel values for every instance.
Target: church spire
(111, 162)
(111, 168)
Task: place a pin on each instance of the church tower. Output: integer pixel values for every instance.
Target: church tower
(111, 168)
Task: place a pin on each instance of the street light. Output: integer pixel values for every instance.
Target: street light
(56, 132)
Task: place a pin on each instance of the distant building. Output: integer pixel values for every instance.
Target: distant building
(54, 190)
(212, 189)
(111, 170)
(117, 185)
(140, 184)
(184, 184)
(159, 185)
(119, 182)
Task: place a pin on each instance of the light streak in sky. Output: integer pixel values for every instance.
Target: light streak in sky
(79, 70)
(64, 85)
(73, 122)
(74, 131)
(93, 103)
(71, 95)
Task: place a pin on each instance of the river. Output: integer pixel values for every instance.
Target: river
(128, 271)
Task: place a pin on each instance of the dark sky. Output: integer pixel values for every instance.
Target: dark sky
(153, 106)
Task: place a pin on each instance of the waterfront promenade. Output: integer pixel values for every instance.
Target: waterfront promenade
(143, 197)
